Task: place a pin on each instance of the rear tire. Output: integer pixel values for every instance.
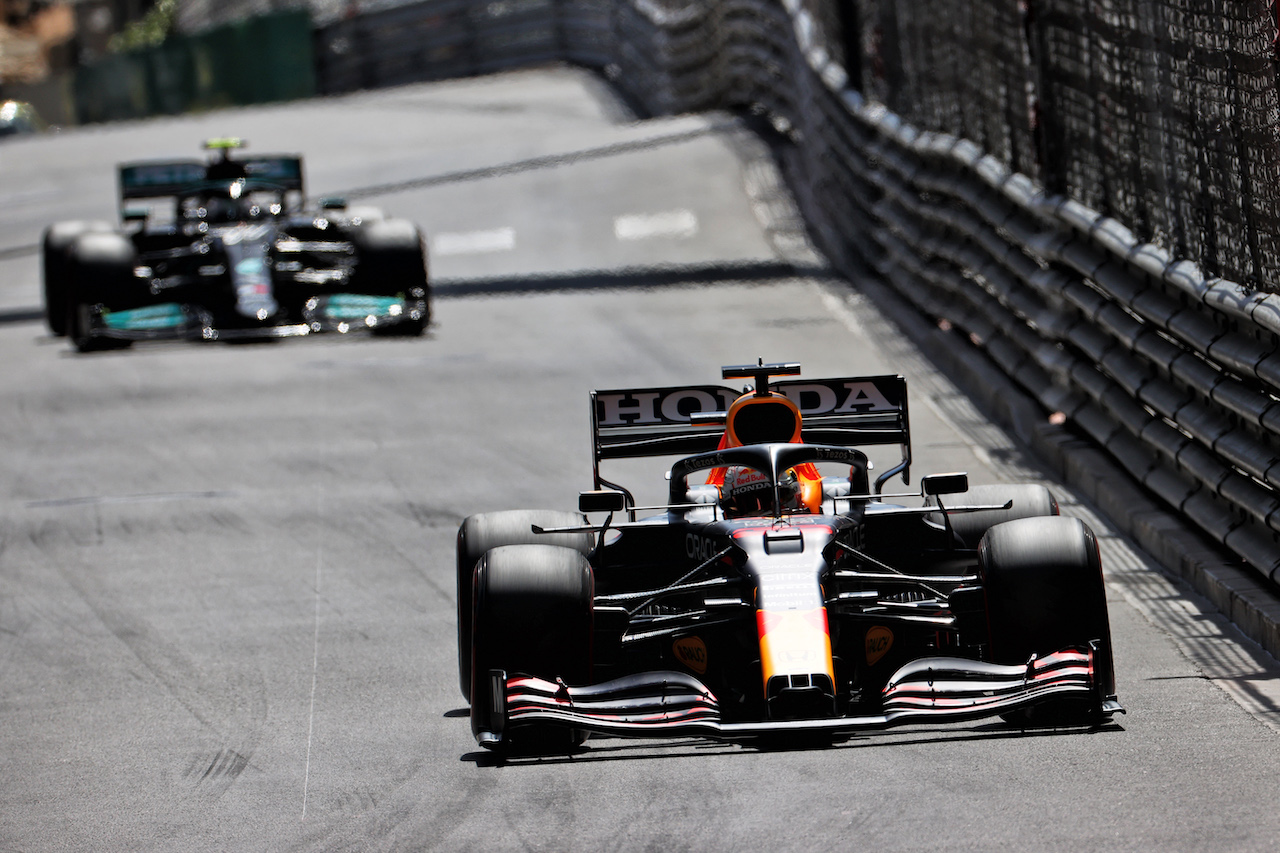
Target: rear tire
(1029, 501)
(1044, 592)
(479, 533)
(532, 615)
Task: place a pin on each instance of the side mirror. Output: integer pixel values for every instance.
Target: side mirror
(333, 203)
(602, 500)
(944, 484)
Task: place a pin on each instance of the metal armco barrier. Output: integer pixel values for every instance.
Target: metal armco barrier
(1174, 374)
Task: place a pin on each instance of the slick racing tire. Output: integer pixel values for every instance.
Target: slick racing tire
(1042, 579)
(56, 261)
(1029, 501)
(532, 615)
(393, 262)
(100, 271)
(480, 533)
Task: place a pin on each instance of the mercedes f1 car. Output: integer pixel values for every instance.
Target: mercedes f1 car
(769, 598)
(225, 250)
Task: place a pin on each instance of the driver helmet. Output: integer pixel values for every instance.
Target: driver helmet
(746, 491)
(226, 204)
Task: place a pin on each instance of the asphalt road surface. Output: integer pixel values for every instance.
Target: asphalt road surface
(226, 572)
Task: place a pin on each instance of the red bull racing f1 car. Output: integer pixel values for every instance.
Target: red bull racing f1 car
(225, 250)
(771, 598)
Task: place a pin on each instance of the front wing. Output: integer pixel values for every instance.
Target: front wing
(670, 704)
(341, 313)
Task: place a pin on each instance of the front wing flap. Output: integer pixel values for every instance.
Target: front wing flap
(172, 321)
(349, 312)
(670, 704)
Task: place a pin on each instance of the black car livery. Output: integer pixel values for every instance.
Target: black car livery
(827, 608)
(229, 250)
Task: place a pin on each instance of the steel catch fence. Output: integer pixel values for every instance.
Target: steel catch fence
(985, 217)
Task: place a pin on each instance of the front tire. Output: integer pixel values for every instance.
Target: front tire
(55, 248)
(1044, 592)
(393, 262)
(100, 271)
(532, 614)
(480, 533)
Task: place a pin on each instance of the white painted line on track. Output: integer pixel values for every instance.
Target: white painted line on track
(644, 226)
(27, 196)
(315, 668)
(474, 242)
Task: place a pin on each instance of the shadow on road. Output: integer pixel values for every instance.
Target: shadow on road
(630, 278)
(21, 315)
(619, 749)
(627, 278)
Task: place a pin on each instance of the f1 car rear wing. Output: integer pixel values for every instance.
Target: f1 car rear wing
(684, 420)
(159, 179)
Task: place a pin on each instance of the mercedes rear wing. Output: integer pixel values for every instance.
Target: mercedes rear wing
(163, 178)
(684, 420)
(157, 179)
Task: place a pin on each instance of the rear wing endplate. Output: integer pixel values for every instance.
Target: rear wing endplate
(680, 421)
